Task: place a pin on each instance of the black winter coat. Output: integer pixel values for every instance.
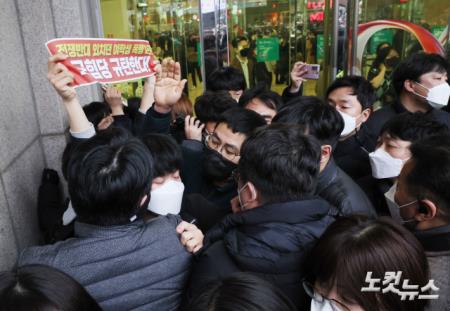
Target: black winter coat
(338, 189)
(269, 241)
(352, 154)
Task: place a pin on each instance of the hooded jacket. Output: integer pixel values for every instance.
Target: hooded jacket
(269, 241)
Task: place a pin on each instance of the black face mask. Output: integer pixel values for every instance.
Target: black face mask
(245, 52)
(392, 62)
(215, 167)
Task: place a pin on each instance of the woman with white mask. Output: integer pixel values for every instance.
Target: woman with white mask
(393, 151)
(347, 266)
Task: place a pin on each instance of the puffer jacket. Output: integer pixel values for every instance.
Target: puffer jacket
(139, 266)
(338, 189)
(269, 241)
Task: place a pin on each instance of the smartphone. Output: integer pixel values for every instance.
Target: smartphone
(313, 72)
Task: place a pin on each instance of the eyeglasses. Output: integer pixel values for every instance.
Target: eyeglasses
(311, 292)
(213, 142)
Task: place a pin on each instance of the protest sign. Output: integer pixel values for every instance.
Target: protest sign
(94, 60)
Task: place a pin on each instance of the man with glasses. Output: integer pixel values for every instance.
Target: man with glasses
(207, 169)
(277, 218)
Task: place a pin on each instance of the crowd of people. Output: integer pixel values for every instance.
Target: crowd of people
(249, 201)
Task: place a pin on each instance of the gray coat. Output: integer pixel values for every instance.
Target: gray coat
(439, 263)
(138, 266)
(436, 242)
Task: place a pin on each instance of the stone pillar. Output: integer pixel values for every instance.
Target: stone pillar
(33, 122)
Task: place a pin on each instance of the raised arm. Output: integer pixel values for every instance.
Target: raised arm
(169, 86)
(61, 79)
(298, 71)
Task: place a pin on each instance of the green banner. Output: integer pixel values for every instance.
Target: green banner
(267, 49)
(320, 53)
(437, 31)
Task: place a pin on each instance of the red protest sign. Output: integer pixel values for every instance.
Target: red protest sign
(93, 60)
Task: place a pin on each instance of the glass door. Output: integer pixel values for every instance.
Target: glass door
(262, 33)
(390, 30)
(171, 27)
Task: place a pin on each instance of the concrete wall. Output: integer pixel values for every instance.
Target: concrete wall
(32, 119)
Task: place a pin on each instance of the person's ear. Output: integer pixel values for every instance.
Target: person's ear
(254, 198)
(254, 194)
(427, 210)
(325, 153)
(365, 115)
(408, 85)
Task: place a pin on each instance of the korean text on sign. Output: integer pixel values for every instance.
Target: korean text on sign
(104, 60)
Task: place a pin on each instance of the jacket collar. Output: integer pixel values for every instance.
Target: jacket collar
(293, 212)
(327, 176)
(83, 230)
(360, 140)
(398, 107)
(272, 239)
(435, 239)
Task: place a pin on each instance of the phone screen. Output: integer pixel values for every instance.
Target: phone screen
(313, 72)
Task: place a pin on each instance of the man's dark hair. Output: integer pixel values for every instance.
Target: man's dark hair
(361, 88)
(317, 118)
(271, 99)
(430, 174)
(281, 162)
(241, 292)
(38, 287)
(241, 120)
(353, 246)
(226, 79)
(166, 153)
(209, 106)
(108, 176)
(413, 127)
(96, 111)
(415, 66)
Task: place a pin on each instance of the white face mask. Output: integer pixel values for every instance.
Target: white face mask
(394, 208)
(437, 96)
(167, 198)
(323, 305)
(349, 123)
(384, 165)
